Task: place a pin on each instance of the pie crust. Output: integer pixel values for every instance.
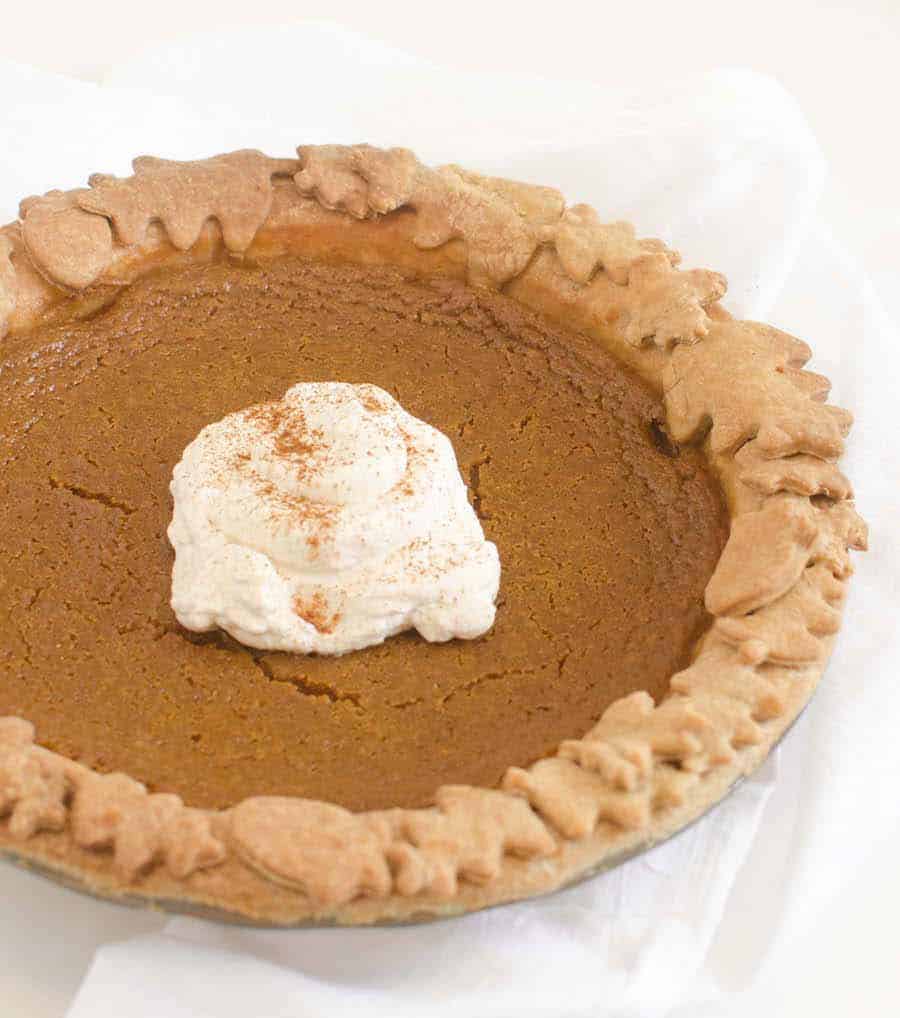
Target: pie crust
(735, 389)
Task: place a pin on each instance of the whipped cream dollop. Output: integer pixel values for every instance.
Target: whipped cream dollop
(327, 521)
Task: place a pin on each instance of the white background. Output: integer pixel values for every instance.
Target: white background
(841, 60)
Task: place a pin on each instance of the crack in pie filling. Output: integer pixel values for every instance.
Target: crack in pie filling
(659, 481)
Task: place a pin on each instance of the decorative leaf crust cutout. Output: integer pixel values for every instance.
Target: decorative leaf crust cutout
(738, 387)
(789, 630)
(324, 850)
(234, 189)
(800, 474)
(768, 550)
(334, 856)
(112, 811)
(70, 235)
(776, 403)
(465, 837)
(504, 223)
(584, 245)
(66, 245)
(32, 790)
(42, 791)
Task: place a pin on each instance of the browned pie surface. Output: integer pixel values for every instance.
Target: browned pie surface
(606, 539)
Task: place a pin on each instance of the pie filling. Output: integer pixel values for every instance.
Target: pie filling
(607, 535)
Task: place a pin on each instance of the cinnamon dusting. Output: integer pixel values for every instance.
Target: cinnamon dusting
(316, 612)
(293, 440)
(370, 403)
(287, 426)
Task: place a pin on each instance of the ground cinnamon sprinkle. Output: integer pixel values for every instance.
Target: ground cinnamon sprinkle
(287, 425)
(314, 610)
(298, 507)
(288, 442)
(370, 403)
(291, 440)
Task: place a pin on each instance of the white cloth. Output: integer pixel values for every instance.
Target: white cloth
(725, 168)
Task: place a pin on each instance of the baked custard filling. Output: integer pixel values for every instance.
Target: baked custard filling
(607, 533)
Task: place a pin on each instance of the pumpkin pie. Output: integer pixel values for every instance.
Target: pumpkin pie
(659, 478)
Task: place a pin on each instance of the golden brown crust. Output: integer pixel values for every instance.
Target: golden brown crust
(645, 769)
(7, 279)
